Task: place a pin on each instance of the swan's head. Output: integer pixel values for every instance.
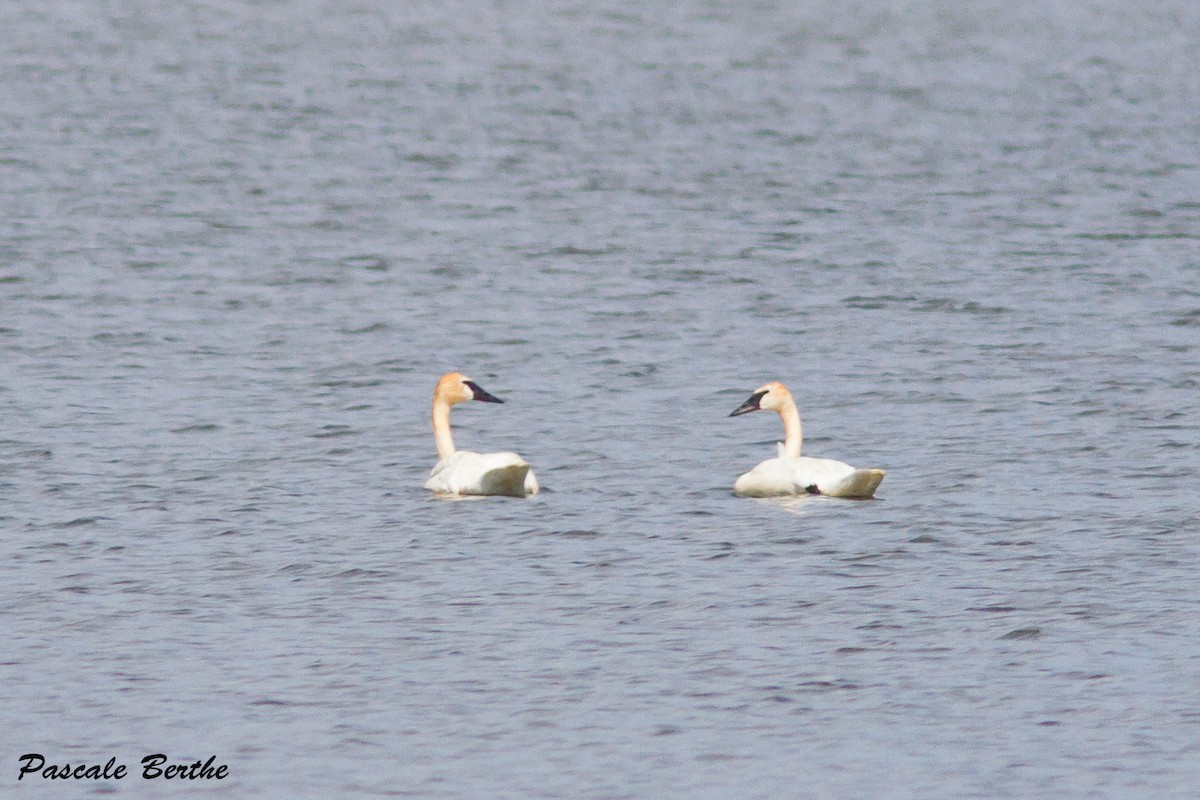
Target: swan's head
(454, 387)
(772, 396)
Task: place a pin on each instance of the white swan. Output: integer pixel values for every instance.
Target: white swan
(464, 472)
(792, 473)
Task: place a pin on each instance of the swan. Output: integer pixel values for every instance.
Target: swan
(790, 472)
(464, 472)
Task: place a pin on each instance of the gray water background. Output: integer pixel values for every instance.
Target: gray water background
(241, 240)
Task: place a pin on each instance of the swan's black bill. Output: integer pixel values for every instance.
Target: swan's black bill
(480, 394)
(749, 405)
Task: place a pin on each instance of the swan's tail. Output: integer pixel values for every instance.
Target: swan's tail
(860, 483)
(508, 480)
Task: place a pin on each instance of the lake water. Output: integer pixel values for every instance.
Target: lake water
(241, 240)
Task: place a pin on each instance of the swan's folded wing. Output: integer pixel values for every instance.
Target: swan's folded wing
(836, 478)
(465, 472)
(860, 483)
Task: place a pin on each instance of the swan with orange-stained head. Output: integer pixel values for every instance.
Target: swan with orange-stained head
(790, 472)
(464, 472)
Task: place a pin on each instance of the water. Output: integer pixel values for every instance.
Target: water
(242, 240)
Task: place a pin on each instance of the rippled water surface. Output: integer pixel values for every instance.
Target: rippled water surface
(241, 240)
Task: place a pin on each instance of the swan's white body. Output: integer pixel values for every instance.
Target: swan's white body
(464, 472)
(803, 475)
(791, 473)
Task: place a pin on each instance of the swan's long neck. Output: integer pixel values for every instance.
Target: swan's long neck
(792, 434)
(441, 428)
